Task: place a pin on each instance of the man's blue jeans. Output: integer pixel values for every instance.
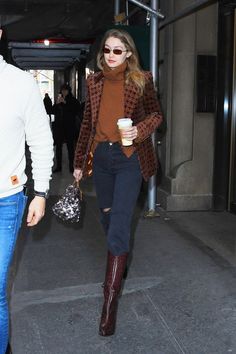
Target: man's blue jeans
(11, 212)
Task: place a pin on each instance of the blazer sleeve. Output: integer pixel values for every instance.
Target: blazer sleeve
(152, 109)
(85, 132)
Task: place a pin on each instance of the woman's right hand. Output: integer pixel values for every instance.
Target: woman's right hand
(77, 174)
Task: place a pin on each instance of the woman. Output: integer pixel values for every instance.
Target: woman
(119, 90)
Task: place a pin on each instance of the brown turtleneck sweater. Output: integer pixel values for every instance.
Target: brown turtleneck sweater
(112, 107)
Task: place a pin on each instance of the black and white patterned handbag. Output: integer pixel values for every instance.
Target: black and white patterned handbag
(68, 207)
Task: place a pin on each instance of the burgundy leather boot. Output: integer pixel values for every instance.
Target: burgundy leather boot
(105, 221)
(114, 275)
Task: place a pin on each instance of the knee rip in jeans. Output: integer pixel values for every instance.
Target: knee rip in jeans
(106, 210)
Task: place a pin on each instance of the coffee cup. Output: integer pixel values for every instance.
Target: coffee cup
(123, 124)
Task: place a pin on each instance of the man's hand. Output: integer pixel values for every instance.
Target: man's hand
(36, 210)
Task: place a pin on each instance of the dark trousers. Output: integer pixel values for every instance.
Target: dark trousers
(71, 151)
(117, 181)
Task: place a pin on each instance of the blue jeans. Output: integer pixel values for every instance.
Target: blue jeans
(117, 180)
(11, 212)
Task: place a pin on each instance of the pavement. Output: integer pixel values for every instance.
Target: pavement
(179, 296)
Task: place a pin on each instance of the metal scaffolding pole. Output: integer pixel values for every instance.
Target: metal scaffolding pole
(154, 69)
(117, 7)
(153, 66)
(151, 9)
(127, 12)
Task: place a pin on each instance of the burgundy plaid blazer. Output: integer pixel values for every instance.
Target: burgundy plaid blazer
(144, 110)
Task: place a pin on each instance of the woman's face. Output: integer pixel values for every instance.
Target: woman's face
(113, 60)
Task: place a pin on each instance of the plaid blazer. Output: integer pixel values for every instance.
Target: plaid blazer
(143, 109)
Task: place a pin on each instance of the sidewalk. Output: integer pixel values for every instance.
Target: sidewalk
(179, 297)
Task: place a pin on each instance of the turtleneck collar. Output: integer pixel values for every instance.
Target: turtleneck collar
(116, 74)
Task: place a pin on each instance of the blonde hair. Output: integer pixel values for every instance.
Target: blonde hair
(133, 72)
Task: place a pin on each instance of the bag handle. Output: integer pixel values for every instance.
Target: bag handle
(76, 184)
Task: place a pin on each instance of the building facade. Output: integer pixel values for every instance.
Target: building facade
(196, 72)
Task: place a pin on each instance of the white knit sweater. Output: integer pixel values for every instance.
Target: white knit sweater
(22, 119)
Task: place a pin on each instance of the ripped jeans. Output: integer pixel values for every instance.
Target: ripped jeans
(11, 213)
(117, 180)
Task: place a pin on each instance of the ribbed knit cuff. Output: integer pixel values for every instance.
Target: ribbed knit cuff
(41, 186)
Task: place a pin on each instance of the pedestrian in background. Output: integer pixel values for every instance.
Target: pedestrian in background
(48, 105)
(66, 110)
(121, 89)
(22, 120)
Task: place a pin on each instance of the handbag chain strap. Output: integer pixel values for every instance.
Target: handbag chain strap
(76, 184)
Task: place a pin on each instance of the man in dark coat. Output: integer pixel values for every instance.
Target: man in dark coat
(48, 105)
(64, 127)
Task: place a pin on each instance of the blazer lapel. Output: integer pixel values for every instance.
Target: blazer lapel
(96, 93)
(131, 96)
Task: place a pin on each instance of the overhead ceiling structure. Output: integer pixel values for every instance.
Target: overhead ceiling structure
(56, 56)
(27, 20)
(75, 23)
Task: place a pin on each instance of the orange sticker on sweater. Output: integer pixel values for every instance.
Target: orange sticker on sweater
(14, 180)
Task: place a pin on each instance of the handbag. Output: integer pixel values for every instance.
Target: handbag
(68, 207)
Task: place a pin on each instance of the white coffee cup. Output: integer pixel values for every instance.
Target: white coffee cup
(124, 123)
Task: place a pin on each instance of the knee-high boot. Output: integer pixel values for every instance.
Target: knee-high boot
(112, 286)
(105, 221)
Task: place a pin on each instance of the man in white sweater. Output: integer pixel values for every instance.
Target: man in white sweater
(22, 120)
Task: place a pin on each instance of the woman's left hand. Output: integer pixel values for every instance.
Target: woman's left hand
(130, 133)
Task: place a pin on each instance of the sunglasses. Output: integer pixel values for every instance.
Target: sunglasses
(115, 51)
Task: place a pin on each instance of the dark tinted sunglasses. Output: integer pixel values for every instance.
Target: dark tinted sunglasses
(115, 51)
